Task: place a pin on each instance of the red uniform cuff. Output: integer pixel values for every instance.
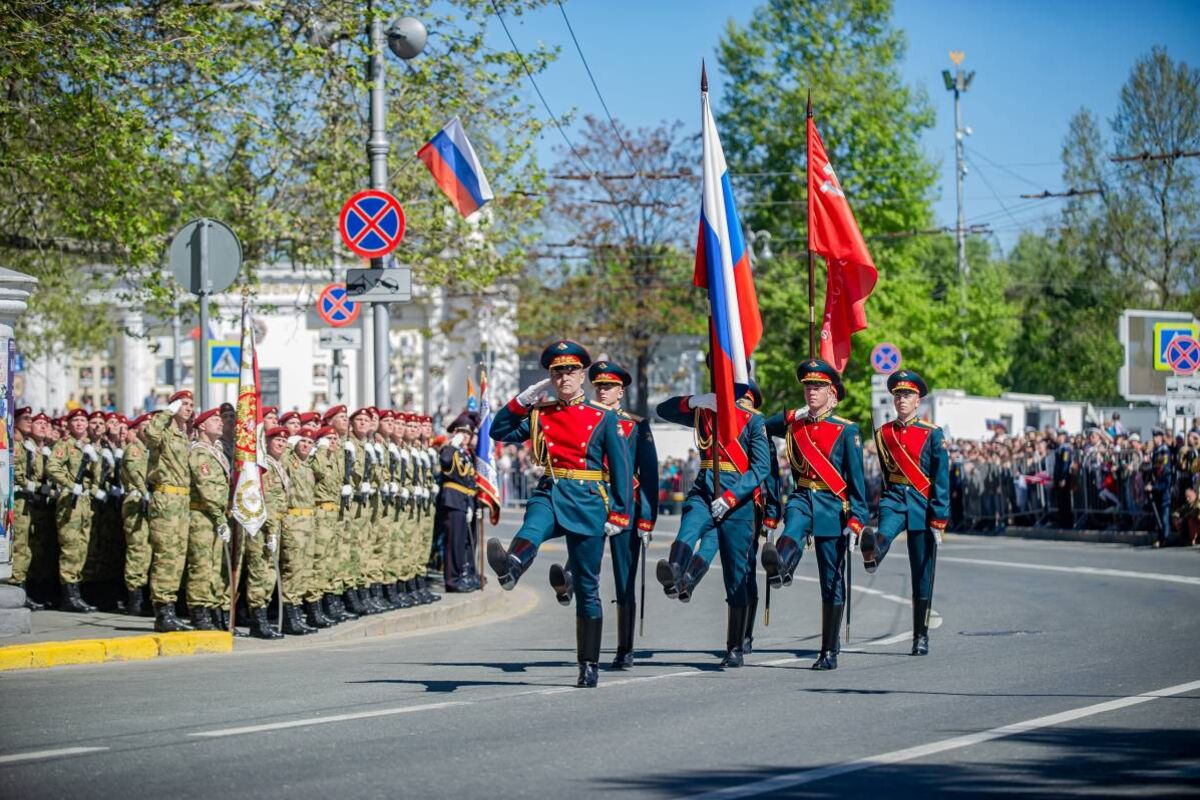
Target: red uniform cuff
(684, 405)
(620, 520)
(772, 524)
(854, 525)
(515, 407)
(645, 525)
(938, 524)
(729, 498)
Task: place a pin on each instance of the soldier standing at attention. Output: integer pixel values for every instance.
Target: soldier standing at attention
(829, 502)
(364, 510)
(399, 476)
(26, 460)
(1062, 479)
(298, 530)
(169, 478)
(208, 528)
(328, 466)
(916, 495)
(134, 510)
(1161, 479)
(75, 467)
(456, 505)
(575, 440)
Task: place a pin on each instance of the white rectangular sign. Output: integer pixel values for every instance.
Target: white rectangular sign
(379, 285)
(1183, 386)
(340, 338)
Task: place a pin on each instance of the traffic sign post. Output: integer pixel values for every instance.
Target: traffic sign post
(334, 308)
(372, 223)
(885, 358)
(205, 257)
(224, 362)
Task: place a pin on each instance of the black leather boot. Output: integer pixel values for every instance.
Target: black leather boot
(874, 547)
(404, 596)
(691, 576)
(364, 600)
(353, 603)
(423, 586)
(921, 607)
(315, 617)
(259, 627)
(751, 613)
(420, 593)
(779, 560)
(292, 625)
(334, 603)
(220, 618)
(390, 597)
(165, 620)
(509, 565)
(626, 616)
(562, 583)
(587, 650)
(831, 623)
(200, 619)
(374, 596)
(669, 570)
(735, 636)
(72, 600)
(134, 602)
(30, 603)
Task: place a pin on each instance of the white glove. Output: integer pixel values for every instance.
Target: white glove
(272, 544)
(719, 508)
(291, 441)
(364, 488)
(323, 442)
(456, 441)
(708, 401)
(223, 533)
(937, 537)
(395, 451)
(99, 494)
(405, 494)
(116, 491)
(134, 494)
(77, 489)
(380, 452)
(853, 537)
(395, 487)
(45, 450)
(30, 487)
(530, 395)
(174, 406)
(108, 456)
(470, 515)
(347, 490)
(119, 452)
(89, 451)
(348, 446)
(646, 538)
(406, 455)
(611, 529)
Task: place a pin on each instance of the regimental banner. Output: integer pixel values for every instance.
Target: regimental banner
(248, 505)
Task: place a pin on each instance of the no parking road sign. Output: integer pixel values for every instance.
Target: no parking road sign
(372, 223)
(885, 358)
(1183, 354)
(334, 308)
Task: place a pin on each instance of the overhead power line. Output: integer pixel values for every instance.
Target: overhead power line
(1072, 192)
(1147, 156)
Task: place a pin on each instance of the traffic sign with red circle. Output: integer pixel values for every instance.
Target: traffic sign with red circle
(372, 223)
(1183, 354)
(885, 358)
(334, 308)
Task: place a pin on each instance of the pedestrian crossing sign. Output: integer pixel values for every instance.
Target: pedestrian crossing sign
(224, 362)
(1164, 332)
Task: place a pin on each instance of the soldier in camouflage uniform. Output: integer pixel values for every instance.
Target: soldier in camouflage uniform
(108, 538)
(299, 530)
(134, 510)
(26, 460)
(429, 493)
(400, 469)
(169, 479)
(75, 467)
(328, 465)
(208, 528)
(389, 531)
(277, 486)
(364, 511)
(258, 552)
(414, 518)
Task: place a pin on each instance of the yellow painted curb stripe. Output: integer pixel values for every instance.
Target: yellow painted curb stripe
(126, 648)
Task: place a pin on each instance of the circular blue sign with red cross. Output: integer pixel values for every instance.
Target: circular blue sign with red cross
(335, 308)
(372, 223)
(885, 358)
(1183, 354)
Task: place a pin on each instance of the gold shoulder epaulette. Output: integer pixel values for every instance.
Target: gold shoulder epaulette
(927, 424)
(627, 415)
(546, 404)
(746, 405)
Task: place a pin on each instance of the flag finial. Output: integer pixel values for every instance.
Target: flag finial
(703, 77)
(809, 108)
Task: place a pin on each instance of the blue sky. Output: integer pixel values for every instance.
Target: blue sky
(1036, 63)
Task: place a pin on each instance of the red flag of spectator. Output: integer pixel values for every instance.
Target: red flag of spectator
(833, 234)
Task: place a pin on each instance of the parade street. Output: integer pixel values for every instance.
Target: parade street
(1055, 668)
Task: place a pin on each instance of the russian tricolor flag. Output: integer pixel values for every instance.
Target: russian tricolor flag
(723, 267)
(455, 167)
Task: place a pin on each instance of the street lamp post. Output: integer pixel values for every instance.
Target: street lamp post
(406, 38)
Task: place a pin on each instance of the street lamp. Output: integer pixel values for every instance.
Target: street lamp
(406, 38)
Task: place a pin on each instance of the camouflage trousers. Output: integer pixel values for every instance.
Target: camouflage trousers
(294, 567)
(406, 542)
(137, 544)
(168, 524)
(22, 549)
(259, 564)
(321, 545)
(360, 525)
(422, 542)
(205, 563)
(74, 532)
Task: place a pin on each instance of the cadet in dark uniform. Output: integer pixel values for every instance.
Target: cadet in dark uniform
(916, 495)
(1161, 478)
(772, 511)
(576, 441)
(456, 505)
(1062, 479)
(730, 518)
(609, 381)
(829, 502)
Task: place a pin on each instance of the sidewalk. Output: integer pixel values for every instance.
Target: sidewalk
(1132, 538)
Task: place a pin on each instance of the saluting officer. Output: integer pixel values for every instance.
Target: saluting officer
(169, 478)
(725, 521)
(916, 495)
(573, 439)
(829, 502)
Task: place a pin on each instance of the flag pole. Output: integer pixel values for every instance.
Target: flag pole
(712, 350)
(812, 289)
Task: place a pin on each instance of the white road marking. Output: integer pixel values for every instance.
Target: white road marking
(39, 754)
(1097, 571)
(648, 678)
(300, 723)
(792, 779)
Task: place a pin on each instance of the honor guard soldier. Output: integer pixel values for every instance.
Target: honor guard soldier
(916, 496)
(456, 505)
(135, 509)
(771, 512)
(609, 381)
(573, 439)
(724, 521)
(829, 502)
(75, 467)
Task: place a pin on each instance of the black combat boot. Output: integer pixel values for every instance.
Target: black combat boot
(780, 560)
(350, 598)
(669, 570)
(874, 547)
(420, 597)
(751, 613)
(587, 650)
(165, 620)
(390, 598)
(134, 606)
(423, 587)
(201, 621)
(510, 564)
(563, 584)
(220, 618)
(831, 623)
(921, 607)
(315, 617)
(369, 599)
(337, 609)
(259, 627)
(375, 592)
(691, 576)
(73, 601)
(30, 603)
(292, 624)
(626, 615)
(735, 636)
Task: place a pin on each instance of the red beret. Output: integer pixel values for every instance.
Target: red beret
(333, 412)
(276, 430)
(287, 415)
(74, 412)
(324, 431)
(309, 416)
(22, 411)
(139, 420)
(307, 433)
(203, 415)
(96, 415)
(41, 417)
(182, 394)
(366, 410)
(270, 410)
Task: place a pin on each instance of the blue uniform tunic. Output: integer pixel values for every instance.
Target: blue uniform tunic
(626, 546)
(733, 537)
(588, 482)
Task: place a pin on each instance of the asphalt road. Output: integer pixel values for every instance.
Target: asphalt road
(1056, 669)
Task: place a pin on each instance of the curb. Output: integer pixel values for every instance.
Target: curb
(125, 648)
(1132, 538)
